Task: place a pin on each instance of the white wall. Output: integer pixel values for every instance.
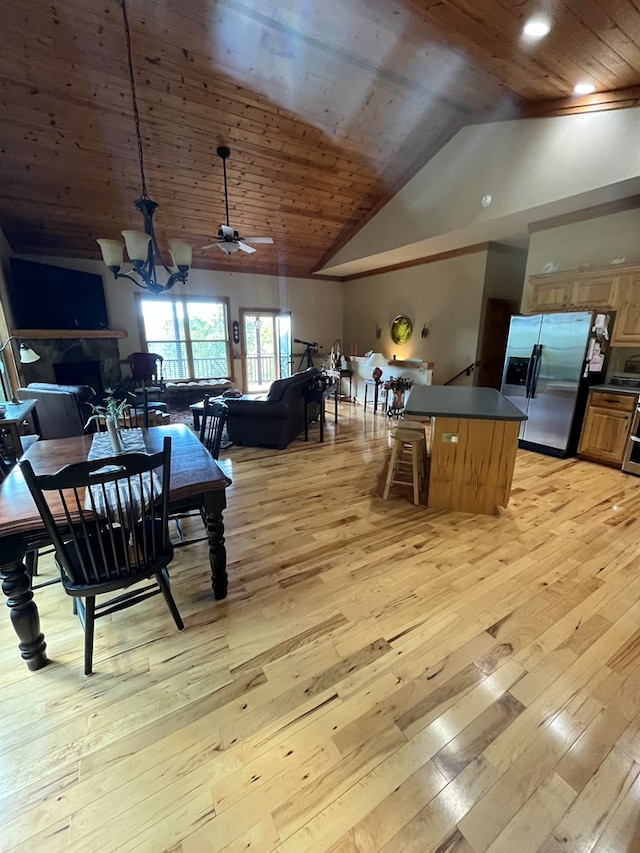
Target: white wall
(446, 296)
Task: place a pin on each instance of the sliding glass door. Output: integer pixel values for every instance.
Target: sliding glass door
(266, 344)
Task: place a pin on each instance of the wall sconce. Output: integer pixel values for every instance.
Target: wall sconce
(425, 331)
(378, 331)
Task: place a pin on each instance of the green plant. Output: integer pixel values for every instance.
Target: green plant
(112, 408)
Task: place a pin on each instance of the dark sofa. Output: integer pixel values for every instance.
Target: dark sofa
(276, 420)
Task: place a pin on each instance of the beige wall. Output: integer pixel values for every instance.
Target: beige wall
(596, 241)
(446, 296)
(533, 169)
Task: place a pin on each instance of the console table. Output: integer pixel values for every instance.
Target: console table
(375, 384)
(321, 387)
(339, 375)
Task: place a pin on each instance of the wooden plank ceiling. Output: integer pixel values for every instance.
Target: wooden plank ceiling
(328, 109)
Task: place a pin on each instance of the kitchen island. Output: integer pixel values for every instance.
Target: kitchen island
(474, 439)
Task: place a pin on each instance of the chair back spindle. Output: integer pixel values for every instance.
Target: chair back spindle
(214, 418)
(108, 522)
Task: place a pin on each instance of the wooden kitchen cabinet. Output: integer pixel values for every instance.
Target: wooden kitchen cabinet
(606, 426)
(589, 290)
(626, 330)
(549, 296)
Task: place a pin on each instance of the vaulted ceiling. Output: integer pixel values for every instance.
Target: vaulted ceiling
(328, 109)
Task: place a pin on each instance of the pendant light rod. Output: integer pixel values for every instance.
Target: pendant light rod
(142, 247)
(223, 151)
(134, 99)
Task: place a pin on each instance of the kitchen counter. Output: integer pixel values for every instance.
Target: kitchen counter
(468, 402)
(617, 389)
(474, 439)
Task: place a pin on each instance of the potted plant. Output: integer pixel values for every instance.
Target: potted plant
(398, 385)
(111, 412)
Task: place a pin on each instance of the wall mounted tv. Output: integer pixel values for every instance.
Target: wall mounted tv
(48, 297)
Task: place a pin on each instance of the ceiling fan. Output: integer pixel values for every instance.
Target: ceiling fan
(229, 240)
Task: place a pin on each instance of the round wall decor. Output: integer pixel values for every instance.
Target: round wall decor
(401, 329)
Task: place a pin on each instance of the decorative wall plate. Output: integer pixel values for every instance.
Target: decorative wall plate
(401, 329)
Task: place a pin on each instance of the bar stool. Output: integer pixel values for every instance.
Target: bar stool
(419, 427)
(407, 465)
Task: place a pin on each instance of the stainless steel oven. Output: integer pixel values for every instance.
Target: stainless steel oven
(631, 461)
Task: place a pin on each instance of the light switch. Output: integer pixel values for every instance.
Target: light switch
(450, 437)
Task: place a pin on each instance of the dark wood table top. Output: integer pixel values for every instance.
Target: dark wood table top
(193, 471)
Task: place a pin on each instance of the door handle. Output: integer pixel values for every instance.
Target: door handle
(530, 367)
(536, 370)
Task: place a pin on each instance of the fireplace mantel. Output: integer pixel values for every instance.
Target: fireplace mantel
(53, 334)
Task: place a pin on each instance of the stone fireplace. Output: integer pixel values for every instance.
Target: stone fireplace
(70, 355)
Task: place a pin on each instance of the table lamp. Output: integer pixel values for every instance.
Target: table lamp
(377, 361)
(26, 354)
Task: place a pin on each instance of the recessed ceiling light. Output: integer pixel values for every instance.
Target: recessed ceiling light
(584, 89)
(537, 28)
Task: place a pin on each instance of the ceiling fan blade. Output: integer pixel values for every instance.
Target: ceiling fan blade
(245, 248)
(258, 239)
(209, 246)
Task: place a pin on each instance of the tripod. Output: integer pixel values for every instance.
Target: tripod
(306, 355)
(309, 348)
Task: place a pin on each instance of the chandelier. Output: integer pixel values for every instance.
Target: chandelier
(142, 247)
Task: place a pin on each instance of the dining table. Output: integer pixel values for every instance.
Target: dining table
(196, 479)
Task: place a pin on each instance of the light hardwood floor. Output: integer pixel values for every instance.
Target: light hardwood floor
(379, 678)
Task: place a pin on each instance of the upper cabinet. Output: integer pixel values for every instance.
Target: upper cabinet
(614, 288)
(626, 329)
(596, 290)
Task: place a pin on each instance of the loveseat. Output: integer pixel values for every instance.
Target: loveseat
(183, 392)
(276, 420)
(62, 410)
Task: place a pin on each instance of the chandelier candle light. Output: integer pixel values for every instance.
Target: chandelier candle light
(142, 246)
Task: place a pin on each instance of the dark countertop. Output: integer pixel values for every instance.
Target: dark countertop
(617, 389)
(464, 402)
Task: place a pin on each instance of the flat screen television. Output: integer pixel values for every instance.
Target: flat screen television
(48, 297)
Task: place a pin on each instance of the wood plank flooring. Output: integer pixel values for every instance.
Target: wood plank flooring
(380, 678)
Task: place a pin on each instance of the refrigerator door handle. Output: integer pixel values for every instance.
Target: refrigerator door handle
(530, 371)
(536, 370)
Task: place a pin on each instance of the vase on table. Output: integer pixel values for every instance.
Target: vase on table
(114, 434)
(398, 398)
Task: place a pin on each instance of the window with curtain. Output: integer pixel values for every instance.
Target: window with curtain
(191, 334)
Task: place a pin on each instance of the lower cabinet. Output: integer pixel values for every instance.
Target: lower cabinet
(606, 426)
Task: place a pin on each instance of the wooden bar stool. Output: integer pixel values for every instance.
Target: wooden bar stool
(407, 465)
(420, 428)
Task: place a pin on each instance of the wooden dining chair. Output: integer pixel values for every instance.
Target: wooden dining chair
(110, 531)
(214, 419)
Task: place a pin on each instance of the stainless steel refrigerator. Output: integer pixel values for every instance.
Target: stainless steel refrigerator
(551, 361)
